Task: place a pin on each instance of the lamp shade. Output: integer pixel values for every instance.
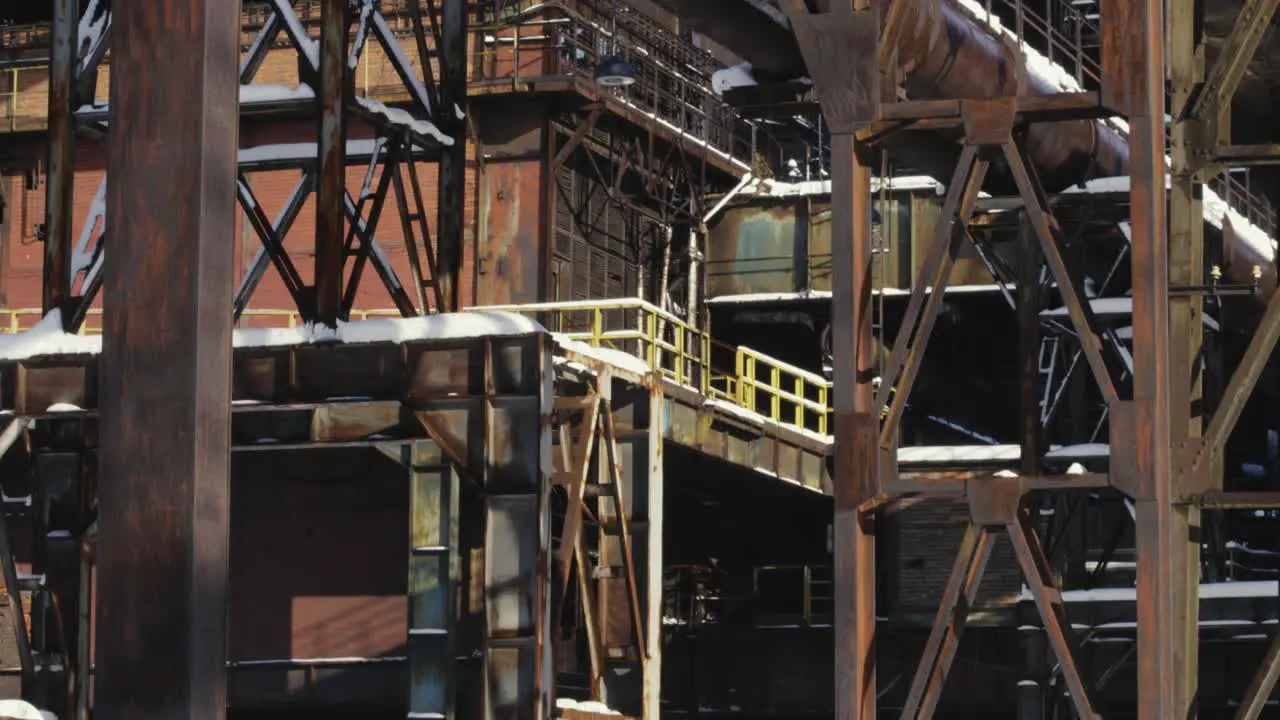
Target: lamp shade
(614, 71)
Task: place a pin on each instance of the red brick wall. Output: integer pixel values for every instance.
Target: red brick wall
(21, 255)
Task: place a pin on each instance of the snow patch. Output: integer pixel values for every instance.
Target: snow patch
(807, 188)
(23, 710)
(618, 358)
(362, 34)
(591, 706)
(47, 338)
(396, 116)
(732, 77)
(264, 93)
(300, 152)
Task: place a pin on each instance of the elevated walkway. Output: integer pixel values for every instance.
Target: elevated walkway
(732, 403)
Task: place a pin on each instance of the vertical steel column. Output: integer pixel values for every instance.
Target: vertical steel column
(1186, 337)
(62, 149)
(1160, 680)
(331, 187)
(645, 464)
(856, 432)
(433, 578)
(1029, 346)
(165, 386)
(453, 159)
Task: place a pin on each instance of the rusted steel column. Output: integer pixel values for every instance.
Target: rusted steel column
(1186, 338)
(1029, 346)
(334, 24)
(164, 391)
(451, 207)
(1160, 680)
(856, 430)
(62, 148)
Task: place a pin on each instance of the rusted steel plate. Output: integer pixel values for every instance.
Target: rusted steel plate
(511, 263)
(42, 386)
(353, 421)
(372, 371)
(514, 438)
(842, 52)
(1123, 71)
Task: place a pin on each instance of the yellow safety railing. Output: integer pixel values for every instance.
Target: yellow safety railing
(686, 355)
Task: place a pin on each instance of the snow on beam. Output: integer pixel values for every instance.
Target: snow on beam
(752, 298)
(957, 455)
(1102, 307)
(1208, 591)
(254, 96)
(47, 339)
(294, 155)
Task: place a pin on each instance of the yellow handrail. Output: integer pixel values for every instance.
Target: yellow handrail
(668, 346)
(677, 351)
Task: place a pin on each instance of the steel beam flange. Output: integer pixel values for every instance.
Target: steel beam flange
(842, 50)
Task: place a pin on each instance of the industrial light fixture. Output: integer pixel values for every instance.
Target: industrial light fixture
(613, 70)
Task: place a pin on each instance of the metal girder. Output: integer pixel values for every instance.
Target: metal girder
(857, 467)
(451, 205)
(329, 255)
(1214, 97)
(62, 148)
(166, 386)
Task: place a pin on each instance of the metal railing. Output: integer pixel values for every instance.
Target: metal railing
(672, 349)
(565, 39)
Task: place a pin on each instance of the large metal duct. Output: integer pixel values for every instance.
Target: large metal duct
(946, 53)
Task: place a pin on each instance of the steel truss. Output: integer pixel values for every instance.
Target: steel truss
(609, 465)
(432, 130)
(1162, 455)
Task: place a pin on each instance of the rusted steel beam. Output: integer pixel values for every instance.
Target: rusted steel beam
(1255, 698)
(165, 389)
(451, 189)
(1243, 381)
(927, 295)
(948, 625)
(60, 176)
(572, 143)
(1037, 208)
(331, 185)
(857, 464)
(1245, 155)
(1239, 500)
(1028, 308)
(1214, 97)
(271, 236)
(1048, 599)
(1149, 460)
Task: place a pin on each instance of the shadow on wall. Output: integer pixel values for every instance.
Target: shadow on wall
(319, 557)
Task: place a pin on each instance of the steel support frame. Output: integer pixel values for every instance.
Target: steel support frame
(165, 389)
(78, 291)
(450, 116)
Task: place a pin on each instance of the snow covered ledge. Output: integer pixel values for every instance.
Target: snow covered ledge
(47, 339)
(21, 710)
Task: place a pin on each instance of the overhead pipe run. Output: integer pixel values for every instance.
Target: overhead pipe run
(947, 53)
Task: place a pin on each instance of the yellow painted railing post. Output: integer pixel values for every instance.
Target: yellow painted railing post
(775, 403)
(597, 326)
(800, 401)
(680, 357)
(651, 340)
(822, 414)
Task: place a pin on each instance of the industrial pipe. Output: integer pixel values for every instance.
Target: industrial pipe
(946, 53)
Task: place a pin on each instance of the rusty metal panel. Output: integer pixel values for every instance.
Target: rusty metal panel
(752, 249)
(41, 385)
(454, 424)
(262, 375)
(842, 52)
(511, 564)
(812, 469)
(516, 365)
(511, 266)
(514, 438)
(448, 370)
(433, 577)
(353, 421)
(682, 423)
(373, 370)
(788, 462)
(1122, 69)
